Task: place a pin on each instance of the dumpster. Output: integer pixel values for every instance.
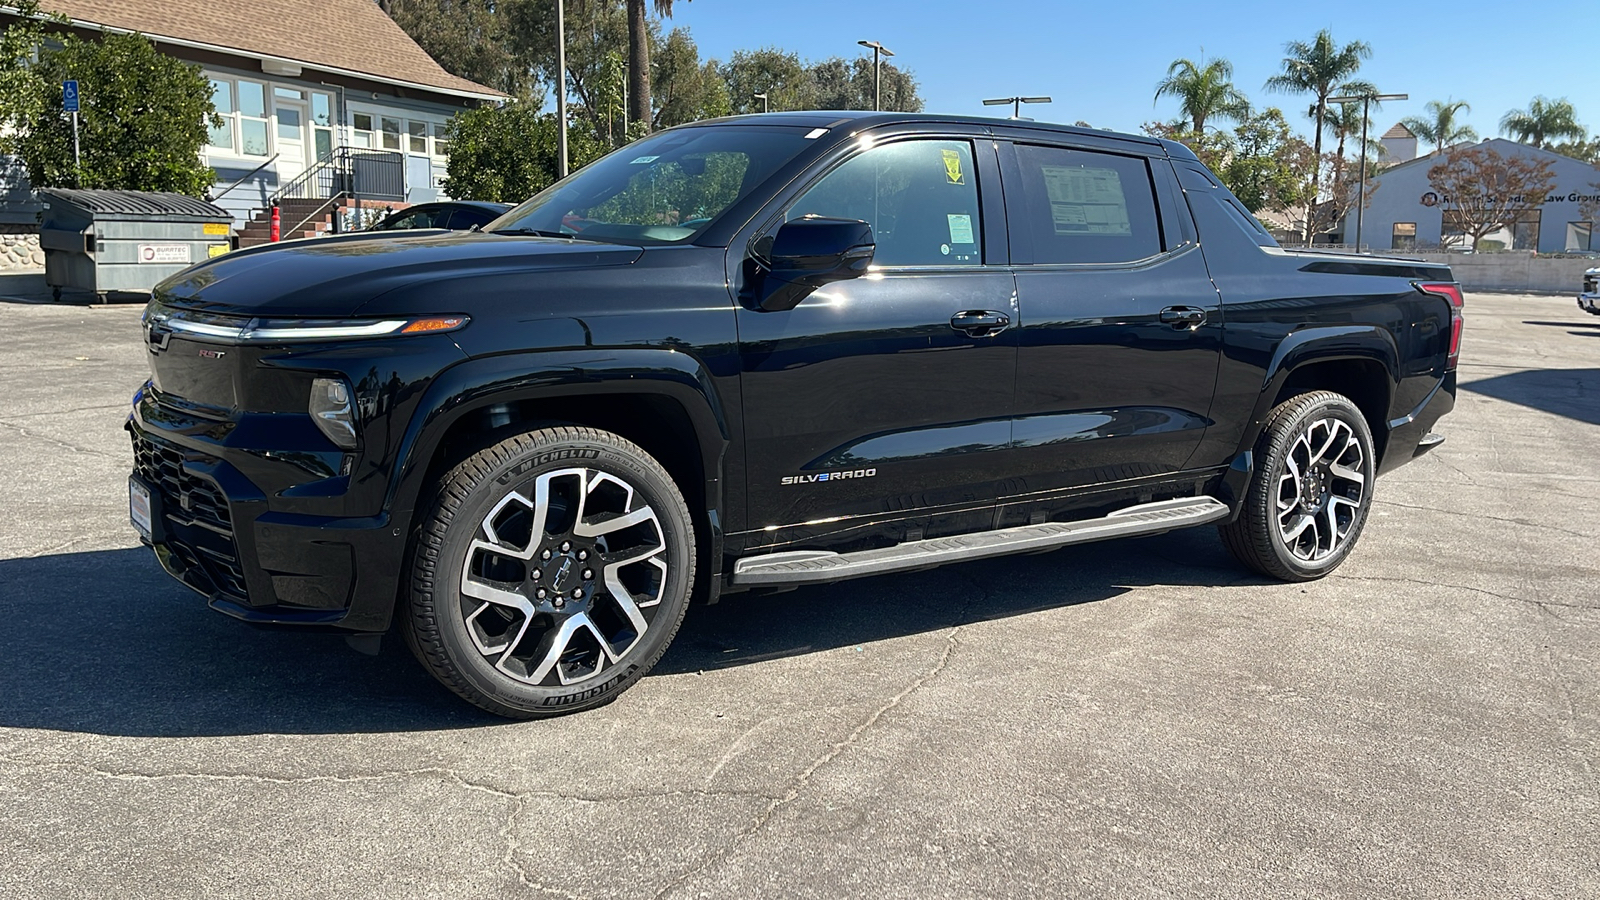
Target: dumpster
(104, 241)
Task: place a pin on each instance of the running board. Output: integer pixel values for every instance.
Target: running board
(818, 566)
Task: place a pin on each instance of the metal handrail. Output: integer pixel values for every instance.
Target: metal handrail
(242, 180)
(320, 210)
(312, 171)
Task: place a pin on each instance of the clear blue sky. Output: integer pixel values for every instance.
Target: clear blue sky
(1101, 61)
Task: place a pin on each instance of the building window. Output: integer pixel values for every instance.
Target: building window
(1525, 231)
(362, 123)
(1580, 236)
(391, 133)
(222, 97)
(417, 136)
(1404, 236)
(441, 140)
(253, 118)
(322, 124)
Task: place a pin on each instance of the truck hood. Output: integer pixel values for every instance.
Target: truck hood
(337, 276)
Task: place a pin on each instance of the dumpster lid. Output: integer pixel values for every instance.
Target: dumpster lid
(137, 203)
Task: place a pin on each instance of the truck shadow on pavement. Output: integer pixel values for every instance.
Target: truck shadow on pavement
(103, 642)
(1573, 393)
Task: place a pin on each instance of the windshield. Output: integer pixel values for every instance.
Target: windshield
(663, 189)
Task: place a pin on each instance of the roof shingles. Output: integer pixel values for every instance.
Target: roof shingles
(350, 35)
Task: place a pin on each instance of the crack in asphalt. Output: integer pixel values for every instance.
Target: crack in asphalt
(1452, 512)
(57, 441)
(1543, 605)
(800, 781)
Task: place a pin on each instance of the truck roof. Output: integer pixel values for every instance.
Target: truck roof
(869, 119)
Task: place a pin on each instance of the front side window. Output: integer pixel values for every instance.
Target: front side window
(663, 189)
(1087, 207)
(919, 196)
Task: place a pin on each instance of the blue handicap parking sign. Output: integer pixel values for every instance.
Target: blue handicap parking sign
(69, 96)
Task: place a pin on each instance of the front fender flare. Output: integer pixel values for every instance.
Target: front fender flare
(476, 383)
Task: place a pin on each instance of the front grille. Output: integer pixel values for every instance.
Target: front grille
(197, 520)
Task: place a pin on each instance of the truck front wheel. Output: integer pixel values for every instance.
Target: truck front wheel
(1311, 491)
(551, 572)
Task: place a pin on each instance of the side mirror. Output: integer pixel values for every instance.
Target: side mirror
(811, 252)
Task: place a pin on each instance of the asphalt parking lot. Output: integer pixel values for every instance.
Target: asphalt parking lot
(1129, 719)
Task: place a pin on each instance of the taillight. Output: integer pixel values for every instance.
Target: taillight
(1452, 293)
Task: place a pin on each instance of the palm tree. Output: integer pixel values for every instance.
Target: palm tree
(639, 57)
(1344, 122)
(1320, 68)
(1204, 92)
(1439, 126)
(1543, 119)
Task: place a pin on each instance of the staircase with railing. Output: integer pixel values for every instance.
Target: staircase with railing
(310, 203)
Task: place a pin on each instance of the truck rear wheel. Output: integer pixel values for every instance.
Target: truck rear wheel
(551, 573)
(1312, 489)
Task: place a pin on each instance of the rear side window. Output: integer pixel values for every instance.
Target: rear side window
(1088, 207)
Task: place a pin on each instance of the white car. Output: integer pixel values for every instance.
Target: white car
(1589, 300)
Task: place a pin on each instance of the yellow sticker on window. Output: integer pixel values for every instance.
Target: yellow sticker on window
(952, 166)
(216, 228)
(216, 250)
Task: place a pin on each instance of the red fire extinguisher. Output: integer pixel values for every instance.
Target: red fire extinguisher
(275, 226)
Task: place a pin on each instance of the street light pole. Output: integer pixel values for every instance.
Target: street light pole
(1361, 192)
(1016, 103)
(877, 78)
(561, 88)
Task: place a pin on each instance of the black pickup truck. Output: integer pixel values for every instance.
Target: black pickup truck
(763, 352)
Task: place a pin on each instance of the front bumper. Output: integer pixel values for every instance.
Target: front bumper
(216, 531)
(1589, 303)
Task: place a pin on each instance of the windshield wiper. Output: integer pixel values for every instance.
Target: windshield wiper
(540, 232)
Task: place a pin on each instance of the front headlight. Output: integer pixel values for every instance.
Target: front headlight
(333, 412)
(198, 325)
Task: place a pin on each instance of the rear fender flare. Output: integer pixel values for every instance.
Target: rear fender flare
(1319, 344)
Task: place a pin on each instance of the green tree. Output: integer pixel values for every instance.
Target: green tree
(509, 153)
(1321, 67)
(143, 118)
(1542, 120)
(19, 83)
(1268, 169)
(1587, 150)
(849, 84)
(1440, 127)
(468, 38)
(1204, 92)
(777, 73)
(684, 89)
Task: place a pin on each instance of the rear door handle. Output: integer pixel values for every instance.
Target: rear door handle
(980, 322)
(1184, 316)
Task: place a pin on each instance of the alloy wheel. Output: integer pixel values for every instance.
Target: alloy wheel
(1321, 490)
(563, 577)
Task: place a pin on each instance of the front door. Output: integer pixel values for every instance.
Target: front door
(292, 143)
(1121, 331)
(874, 412)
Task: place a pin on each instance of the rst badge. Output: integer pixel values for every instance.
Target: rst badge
(829, 476)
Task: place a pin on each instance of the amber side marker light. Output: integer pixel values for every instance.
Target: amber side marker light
(438, 323)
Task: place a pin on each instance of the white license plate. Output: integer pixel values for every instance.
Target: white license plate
(139, 507)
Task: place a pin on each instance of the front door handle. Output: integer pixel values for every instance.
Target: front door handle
(980, 322)
(1184, 316)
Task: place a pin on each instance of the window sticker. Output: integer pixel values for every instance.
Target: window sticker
(1086, 200)
(960, 229)
(952, 166)
(643, 159)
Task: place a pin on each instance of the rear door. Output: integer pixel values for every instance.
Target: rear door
(1121, 326)
(873, 412)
